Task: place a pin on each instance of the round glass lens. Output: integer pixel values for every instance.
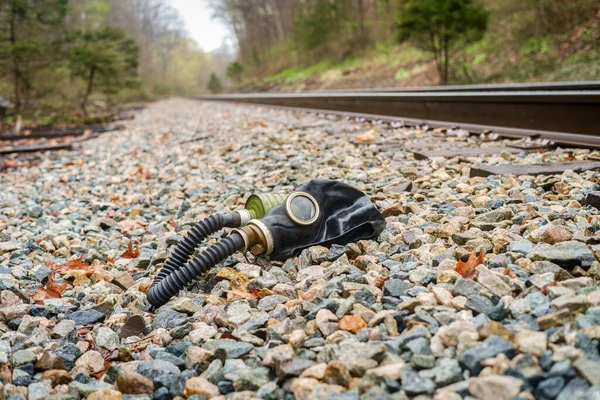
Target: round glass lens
(302, 208)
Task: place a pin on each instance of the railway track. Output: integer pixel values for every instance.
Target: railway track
(42, 139)
(565, 113)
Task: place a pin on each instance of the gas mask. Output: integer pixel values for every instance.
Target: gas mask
(321, 212)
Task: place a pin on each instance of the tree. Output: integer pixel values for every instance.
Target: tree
(214, 84)
(234, 70)
(104, 55)
(318, 29)
(28, 40)
(441, 26)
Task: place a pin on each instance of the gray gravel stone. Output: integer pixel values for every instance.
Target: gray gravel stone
(490, 347)
(86, 317)
(271, 328)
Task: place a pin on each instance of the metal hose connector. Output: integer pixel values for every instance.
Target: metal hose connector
(170, 285)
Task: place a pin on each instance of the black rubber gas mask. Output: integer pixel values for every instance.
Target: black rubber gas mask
(321, 212)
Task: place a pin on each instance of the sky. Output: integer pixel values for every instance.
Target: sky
(197, 16)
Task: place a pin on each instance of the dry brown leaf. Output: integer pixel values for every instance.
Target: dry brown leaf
(379, 282)
(131, 252)
(243, 295)
(227, 335)
(98, 272)
(5, 373)
(126, 225)
(144, 287)
(52, 290)
(367, 137)
(468, 269)
(71, 265)
(545, 288)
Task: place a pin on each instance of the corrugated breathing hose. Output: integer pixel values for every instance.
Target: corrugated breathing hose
(171, 284)
(195, 236)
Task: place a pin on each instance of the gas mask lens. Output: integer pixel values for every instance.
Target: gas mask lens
(302, 208)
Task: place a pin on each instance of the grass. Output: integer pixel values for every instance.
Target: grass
(301, 72)
(516, 48)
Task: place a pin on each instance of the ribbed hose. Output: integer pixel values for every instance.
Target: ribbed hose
(171, 284)
(195, 236)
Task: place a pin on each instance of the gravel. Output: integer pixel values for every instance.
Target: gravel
(381, 319)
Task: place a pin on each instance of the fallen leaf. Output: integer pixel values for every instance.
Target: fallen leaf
(5, 373)
(71, 265)
(380, 281)
(126, 225)
(227, 336)
(467, 269)
(243, 295)
(131, 252)
(100, 374)
(544, 290)
(98, 272)
(110, 260)
(367, 137)
(144, 287)
(142, 173)
(52, 290)
(262, 293)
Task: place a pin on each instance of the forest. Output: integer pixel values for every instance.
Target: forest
(72, 59)
(315, 44)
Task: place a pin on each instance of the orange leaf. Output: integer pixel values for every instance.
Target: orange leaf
(53, 290)
(110, 260)
(5, 373)
(244, 295)
(545, 288)
(57, 289)
(367, 137)
(379, 282)
(98, 273)
(74, 264)
(467, 269)
(100, 374)
(131, 252)
(144, 287)
(227, 336)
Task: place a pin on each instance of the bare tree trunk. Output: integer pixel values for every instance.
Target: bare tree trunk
(361, 19)
(446, 60)
(278, 21)
(436, 49)
(16, 68)
(88, 91)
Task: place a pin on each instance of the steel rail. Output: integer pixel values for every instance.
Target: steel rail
(498, 87)
(564, 116)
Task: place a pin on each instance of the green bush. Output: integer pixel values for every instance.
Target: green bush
(235, 70)
(214, 83)
(442, 27)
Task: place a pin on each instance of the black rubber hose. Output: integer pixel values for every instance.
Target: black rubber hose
(195, 236)
(160, 293)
